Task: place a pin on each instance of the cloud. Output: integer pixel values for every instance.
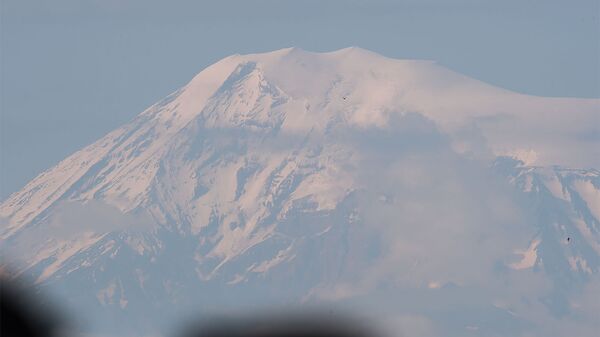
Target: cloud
(439, 215)
(71, 218)
(446, 229)
(70, 222)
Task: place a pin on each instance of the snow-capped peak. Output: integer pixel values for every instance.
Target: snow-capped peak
(285, 166)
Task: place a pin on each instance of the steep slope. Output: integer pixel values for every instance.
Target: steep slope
(292, 176)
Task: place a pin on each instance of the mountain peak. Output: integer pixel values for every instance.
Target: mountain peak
(296, 172)
(296, 92)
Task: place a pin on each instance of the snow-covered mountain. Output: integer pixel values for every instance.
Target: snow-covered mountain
(293, 176)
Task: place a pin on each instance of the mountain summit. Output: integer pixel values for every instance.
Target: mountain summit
(292, 177)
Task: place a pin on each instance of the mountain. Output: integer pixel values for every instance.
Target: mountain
(300, 177)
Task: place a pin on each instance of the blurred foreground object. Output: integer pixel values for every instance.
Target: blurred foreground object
(23, 312)
(317, 324)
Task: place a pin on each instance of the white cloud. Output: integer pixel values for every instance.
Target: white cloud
(70, 224)
(70, 218)
(448, 231)
(441, 218)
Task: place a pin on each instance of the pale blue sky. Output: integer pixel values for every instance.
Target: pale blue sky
(73, 70)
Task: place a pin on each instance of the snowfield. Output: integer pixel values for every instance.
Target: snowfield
(397, 187)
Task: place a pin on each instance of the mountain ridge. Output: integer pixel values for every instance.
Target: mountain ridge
(298, 172)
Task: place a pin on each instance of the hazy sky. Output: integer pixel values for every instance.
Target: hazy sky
(73, 70)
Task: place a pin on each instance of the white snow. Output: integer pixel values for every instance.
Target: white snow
(528, 256)
(270, 119)
(590, 194)
(578, 263)
(552, 181)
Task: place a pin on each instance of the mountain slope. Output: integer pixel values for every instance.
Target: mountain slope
(291, 176)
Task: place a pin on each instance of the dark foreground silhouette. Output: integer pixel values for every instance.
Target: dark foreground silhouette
(316, 324)
(25, 312)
